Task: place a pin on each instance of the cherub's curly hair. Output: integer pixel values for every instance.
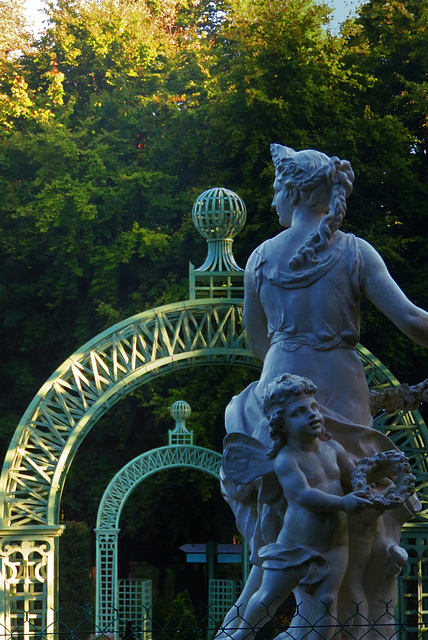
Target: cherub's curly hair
(303, 171)
(282, 391)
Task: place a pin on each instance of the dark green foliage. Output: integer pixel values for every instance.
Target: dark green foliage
(170, 509)
(76, 572)
(182, 620)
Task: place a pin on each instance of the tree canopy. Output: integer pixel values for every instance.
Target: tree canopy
(122, 112)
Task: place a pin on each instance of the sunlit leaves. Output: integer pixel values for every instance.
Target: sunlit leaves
(14, 30)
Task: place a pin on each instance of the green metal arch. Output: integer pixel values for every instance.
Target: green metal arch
(97, 376)
(107, 368)
(145, 465)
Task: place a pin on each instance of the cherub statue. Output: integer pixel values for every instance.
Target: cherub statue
(302, 539)
(310, 554)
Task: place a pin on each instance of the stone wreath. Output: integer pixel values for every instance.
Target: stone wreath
(391, 465)
(401, 398)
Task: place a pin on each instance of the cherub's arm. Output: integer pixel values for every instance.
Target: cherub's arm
(346, 466)
(386, 295)
(297, 489)
(254, 315)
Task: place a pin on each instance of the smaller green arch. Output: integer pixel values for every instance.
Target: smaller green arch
(113, 502)
(145, 465)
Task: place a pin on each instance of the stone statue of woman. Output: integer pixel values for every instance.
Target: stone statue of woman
(302, 315)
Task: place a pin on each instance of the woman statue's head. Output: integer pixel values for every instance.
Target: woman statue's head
(323, 183)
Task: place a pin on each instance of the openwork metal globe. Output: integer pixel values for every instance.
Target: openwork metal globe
(219, 215)
(180, 411)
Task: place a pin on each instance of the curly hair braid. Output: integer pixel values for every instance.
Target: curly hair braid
(303, 171)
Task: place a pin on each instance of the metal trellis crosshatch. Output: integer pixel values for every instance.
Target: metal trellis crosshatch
(201, 331)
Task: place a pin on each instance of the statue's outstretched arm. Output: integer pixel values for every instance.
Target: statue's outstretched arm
(386, 295)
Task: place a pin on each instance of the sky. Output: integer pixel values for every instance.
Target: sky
(341, 9)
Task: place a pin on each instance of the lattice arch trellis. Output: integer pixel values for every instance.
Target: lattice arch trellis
(112, 504)
(74, 398)
(83, 388)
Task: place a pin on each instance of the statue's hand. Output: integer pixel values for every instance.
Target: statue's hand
(356, 502)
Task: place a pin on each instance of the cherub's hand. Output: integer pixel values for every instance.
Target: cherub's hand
(355, 502)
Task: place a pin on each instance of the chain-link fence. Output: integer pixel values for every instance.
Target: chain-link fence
(412, 625)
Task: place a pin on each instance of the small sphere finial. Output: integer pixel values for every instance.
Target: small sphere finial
(180, 411)
(219, 215)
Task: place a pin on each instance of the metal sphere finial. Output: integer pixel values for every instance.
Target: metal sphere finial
(180, 411)
(219, 214)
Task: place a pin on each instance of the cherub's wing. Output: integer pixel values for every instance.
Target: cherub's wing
(244, 458)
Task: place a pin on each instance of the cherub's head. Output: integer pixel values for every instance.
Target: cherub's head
(291, 409)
